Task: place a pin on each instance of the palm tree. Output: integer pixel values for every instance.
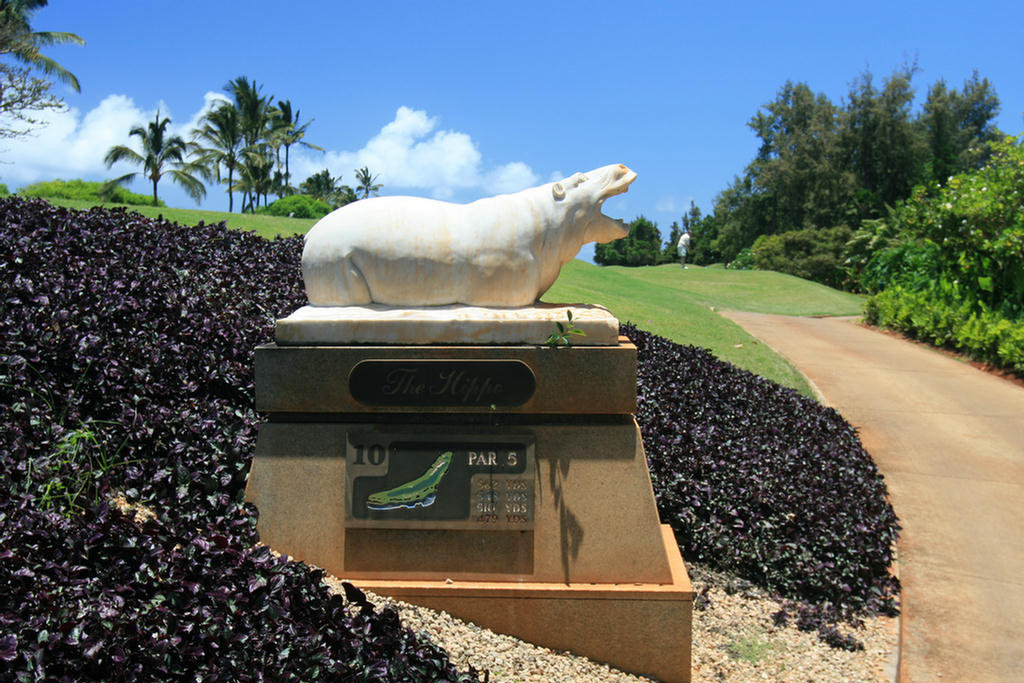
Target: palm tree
(365, 180)
(256, 119)
(161, 155)
(320, 186)
(256, 176)
(19, 40)
(289, 133)
(219, 144)
(327, 189)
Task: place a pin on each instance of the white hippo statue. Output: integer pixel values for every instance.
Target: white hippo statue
(500, 251)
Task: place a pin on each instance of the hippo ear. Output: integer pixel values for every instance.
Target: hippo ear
(558, 191)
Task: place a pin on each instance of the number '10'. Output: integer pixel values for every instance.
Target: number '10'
(374, 454)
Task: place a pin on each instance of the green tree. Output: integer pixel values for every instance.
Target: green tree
(265, 129)
(881, 147)
(320, 185)
(957, 126)
(161, 155)
(820, 167)
(23, 94)
(219, 145)
(798, 169)
(256, 119)
(290, 133)
(327, 189)
(641, 247)
(18, 40)
(256, 177)
(692, 217)
(811, 253)
(737, 217)
(255, 110)
(797, 180)
(670, 252)
(365, 182)
(703, 236)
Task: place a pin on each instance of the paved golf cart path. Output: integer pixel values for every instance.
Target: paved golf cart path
(950, 441)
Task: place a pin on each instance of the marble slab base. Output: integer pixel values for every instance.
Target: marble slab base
(376, 324)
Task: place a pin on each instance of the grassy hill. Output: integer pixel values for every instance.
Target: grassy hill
(681, 305)
(265, 226)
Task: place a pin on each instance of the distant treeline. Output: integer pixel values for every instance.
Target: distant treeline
(921, 208)
(822, 166)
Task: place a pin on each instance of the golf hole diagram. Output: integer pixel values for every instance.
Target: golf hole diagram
(458, 482)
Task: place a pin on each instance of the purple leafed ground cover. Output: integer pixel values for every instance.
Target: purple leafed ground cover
(766, 483)
(125, 368)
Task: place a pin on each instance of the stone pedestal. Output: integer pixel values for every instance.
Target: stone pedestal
(506, 485)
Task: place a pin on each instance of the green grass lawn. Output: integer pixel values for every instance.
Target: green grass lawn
(264, 226)
(759, 291)
(681, 305)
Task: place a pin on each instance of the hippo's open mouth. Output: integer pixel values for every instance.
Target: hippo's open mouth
(620, 180)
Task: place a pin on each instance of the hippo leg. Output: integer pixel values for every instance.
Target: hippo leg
(344, 285)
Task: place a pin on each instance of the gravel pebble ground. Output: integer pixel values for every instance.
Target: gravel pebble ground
(733, 641)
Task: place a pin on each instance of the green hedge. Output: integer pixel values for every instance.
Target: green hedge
(743, 261)
(964, 239)
(297, 206)
(85, 190)
(982, 334)
(812, 253)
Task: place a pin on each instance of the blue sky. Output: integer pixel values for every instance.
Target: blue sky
(461, 100)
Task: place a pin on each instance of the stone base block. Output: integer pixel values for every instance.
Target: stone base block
(376, 324)
(640, 628)
(596, 380)
(594, 514)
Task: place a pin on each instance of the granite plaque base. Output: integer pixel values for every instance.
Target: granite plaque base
(533, 515)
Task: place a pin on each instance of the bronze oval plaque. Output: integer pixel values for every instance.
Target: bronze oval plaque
(442, 383)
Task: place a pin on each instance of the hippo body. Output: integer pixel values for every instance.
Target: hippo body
(500, 251)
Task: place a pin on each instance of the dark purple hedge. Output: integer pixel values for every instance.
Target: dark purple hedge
(126, 366)
(100, 597)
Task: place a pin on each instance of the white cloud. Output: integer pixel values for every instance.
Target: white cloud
(409, 152)
(73, 146)
(70, 145)
(511, 177)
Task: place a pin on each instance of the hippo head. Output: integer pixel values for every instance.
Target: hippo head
(586, 193)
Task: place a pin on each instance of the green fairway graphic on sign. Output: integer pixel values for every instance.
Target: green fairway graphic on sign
(455, 483)
(420, 492)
